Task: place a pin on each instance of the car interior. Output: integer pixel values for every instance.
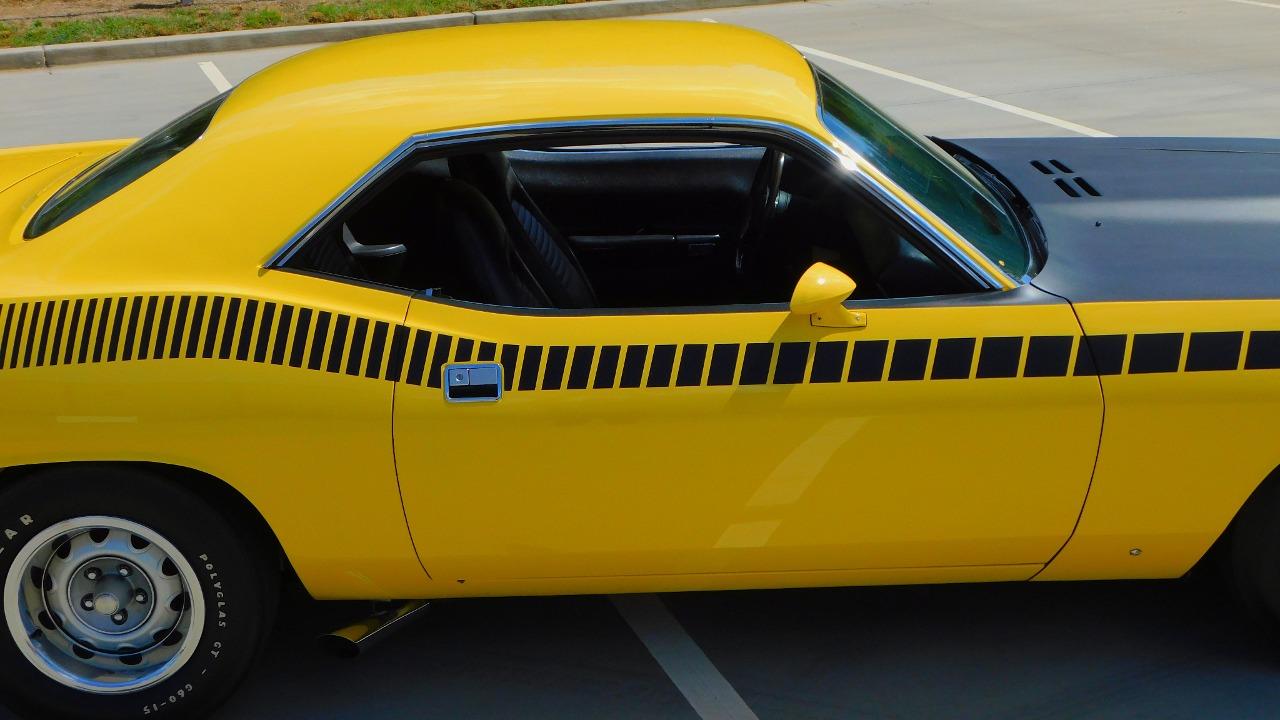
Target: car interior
(639, 225)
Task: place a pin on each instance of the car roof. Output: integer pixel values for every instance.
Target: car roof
(291, 139)
(470, 76)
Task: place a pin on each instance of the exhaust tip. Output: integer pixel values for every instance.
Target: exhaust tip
(338, 646)
(350, 641)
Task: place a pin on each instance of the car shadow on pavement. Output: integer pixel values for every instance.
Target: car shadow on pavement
(1027, 650)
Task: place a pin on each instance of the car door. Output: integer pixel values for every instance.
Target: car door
(947, 432)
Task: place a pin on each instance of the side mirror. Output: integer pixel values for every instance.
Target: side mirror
(821, 293)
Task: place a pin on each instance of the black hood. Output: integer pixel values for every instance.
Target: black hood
(1149, 218)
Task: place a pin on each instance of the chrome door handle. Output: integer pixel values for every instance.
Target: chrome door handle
(472, 382)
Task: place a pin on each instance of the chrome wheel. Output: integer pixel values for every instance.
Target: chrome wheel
(103, 605)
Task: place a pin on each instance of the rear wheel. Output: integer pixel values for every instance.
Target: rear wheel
(124, 595)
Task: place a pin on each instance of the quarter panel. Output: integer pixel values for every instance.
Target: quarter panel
(188, 383)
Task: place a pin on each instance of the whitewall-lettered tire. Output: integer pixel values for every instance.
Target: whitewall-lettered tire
(124, 596)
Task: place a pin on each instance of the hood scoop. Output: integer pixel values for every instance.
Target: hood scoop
(1073, 185)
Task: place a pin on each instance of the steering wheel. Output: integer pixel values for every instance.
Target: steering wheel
(762, 205)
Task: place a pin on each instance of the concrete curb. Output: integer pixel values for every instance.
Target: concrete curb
(608, 9)
(110, 50)
(22, 58)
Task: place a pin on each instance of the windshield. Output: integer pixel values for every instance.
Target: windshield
(105, 177)
(921, 168)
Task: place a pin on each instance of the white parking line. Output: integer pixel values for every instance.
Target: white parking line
(215, 76)
(954, 92)
(1273, 6)
(711, 696)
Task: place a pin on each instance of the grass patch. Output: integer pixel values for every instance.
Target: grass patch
(265, 17)
(181, 21)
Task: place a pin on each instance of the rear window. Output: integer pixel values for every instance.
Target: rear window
(109, 175)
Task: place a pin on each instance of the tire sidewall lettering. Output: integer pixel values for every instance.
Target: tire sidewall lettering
(219, 604)
(22, 522)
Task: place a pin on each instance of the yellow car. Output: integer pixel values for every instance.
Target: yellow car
(603, 307)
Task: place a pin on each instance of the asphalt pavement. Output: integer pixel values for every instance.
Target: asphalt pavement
(951, 68)
(1026, 651)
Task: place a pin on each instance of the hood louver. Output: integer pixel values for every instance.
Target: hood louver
(1073, 186)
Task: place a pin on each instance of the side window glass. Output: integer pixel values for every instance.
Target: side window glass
(633, 225)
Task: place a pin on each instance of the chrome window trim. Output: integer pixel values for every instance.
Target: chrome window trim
(824, 150)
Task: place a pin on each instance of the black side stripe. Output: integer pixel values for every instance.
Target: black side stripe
(724, 362)
(910, 357)
(87, 335)
(4, 339)
(31, 334)
(580, 370)
(418, 360)
(510, 355)
(121, 306)
(17, 337)
(1155, 353)
(204, 326)
(47, 312)
(395, 355)
(953, 359)
(179, 326)
(792, 357)
(211, 334)
(56, 350)
(299, 348)
(529, 367)
(1214, 351)
(373, 365)
(438, 359)
(607, 368)
(316, 361)
(1048, 356)
(264, 332)
(162, 330)
(358, 334)
(19, 324)
(755, 364)
(144, 343)
(462, 353)
(229, 324)
(828, 361)
(660, 365)
(72, 332)
(633, 366)
(99, 344)
(999, 357)
(246, 329)
(54, 332)
(553, 376)
(338, 343)
(280, 345)
(1101, 355)
(867, 363)
(1264, 350)
(692, 360)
